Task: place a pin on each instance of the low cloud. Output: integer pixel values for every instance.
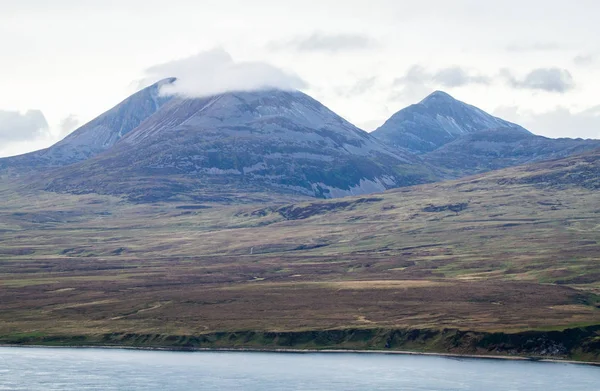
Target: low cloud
(321, 42)
(450, 77)
(23, 132)
(585, 59)
(560, 122)
(214, 72)
(16, 126)
(416, 74)
(361, 87)
(544, 79)
(68, 125)
(372, 125)
(412, 86)
(535, 47)
(458, 77)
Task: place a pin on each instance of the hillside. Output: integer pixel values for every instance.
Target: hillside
(263, 141)
(435, 121)
(457, 139)
(239, 147)
(93, 138)
(500, 148)
(504, 257)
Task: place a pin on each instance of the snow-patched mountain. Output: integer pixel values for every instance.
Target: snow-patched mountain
(435, 121)
(277, 140)
(499, 148)
(97, 135)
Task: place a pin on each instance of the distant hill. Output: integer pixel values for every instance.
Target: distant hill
(435, 121)
(499, 148)
(458, 139)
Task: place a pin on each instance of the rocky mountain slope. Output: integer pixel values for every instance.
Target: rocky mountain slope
(156, 147)
(499, 148)
(435, 121)
(94, 137)
(248, 141)
(458, 139)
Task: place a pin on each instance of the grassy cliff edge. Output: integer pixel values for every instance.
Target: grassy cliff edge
(577, 344)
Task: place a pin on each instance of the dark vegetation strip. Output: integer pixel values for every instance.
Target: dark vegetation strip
(578, 344)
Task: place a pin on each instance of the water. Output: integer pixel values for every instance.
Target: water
(35, 369)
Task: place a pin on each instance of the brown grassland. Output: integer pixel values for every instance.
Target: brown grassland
(505, 253)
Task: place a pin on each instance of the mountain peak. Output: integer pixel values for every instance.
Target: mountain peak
(98, 135)
(163, 82)
(435, 121)
(437, 96)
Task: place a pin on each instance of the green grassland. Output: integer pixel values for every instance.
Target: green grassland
(502, 254)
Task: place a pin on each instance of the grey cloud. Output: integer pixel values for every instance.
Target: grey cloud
(215, 71)
(411, 86)
(560, 122)
(371, 125)
(544, 79)
(321, 42)
(360, 87)
(453, 76)
(535, 47)
(585, 59)
(363, 85)
(68, 124)
(416, 74)
(15, 126)
(458, 77)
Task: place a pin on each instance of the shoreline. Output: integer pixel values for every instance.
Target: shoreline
(310, 351)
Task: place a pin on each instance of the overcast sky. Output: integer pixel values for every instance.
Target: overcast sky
(534, 62)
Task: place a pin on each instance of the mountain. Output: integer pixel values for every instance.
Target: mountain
(435, 121)
(152, 147)
(273, 141)
(499, 148)
(96, 136)
(458, 139)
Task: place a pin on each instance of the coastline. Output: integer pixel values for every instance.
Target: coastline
(578, 345)
(311, 351)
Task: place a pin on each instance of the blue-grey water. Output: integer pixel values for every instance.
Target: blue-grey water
(35, 369)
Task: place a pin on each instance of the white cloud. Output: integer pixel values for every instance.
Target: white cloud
(23, 146)
(414, 74)
(29, 131)
(453, 76)
(458, 77)
(535, 47)
(67, 125)
(545, 79)
(321, 42)
(16, 126)
(560, 122)
(418, 82)
(214, 72)
(583, 60)
(411, 86)
(360, 87)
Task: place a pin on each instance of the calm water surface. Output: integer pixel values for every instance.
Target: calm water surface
(35, 369)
